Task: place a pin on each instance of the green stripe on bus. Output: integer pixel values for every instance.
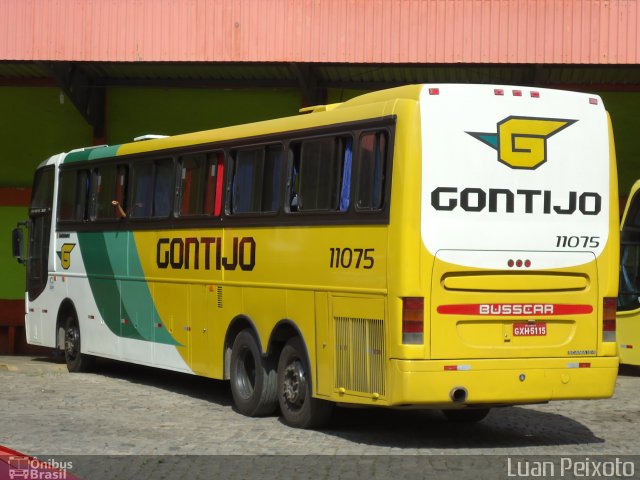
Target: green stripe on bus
(135, 316)
(92, 154)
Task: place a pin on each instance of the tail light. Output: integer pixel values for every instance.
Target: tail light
(413, 320)
(609, 319)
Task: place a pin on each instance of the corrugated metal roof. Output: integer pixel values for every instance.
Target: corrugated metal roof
(325, 31)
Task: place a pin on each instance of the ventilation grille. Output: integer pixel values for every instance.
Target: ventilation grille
(360, 354)
(219, 295)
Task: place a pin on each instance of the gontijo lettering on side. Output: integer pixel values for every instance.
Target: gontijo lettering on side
(186, 253)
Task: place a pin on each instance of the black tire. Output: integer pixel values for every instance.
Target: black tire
(299, 409)
(466, 415)
(76, 360)
(253, 377)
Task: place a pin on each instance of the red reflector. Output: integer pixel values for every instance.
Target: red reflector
(434, 91)
(517, 93)
(498, 91)
(584, 365)
(593, 101)
(450, 367)
(535, 94)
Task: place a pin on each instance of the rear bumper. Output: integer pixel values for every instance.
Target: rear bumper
(501, 382)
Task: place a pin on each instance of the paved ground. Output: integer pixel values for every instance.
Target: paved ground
(152, 421)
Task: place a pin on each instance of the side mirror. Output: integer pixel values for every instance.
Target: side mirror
(17, 244)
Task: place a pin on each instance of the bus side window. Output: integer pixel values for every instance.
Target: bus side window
(142, 190)
(163, 188)
(320, 174)
(294, 176)
(83, 192)
(373, 164)
(74, 196)
(256, 180)
(67, 197)
(153, 184)
(245, 183)
(347, 164)
(272, 178)
(195, 177)
(105, 187)
(120, 200)
(110, 186)
(210, 184)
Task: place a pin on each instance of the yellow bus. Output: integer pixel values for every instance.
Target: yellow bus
(441, 246)
(628, 317)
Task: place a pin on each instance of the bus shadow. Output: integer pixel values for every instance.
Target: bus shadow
(201, 388)
(507, 427)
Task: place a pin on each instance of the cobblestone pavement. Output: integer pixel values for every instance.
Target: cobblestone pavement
(150, 419)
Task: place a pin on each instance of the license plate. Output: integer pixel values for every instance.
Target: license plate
(538, 329)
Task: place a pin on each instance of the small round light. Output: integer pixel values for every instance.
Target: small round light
(527, 263)
(518, 263)
(510, 263)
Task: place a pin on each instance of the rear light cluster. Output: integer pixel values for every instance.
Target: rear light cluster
(413, 320)
(609, 319)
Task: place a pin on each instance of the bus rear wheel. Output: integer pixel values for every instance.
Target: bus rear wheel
(467, 415)
(299, 408)
(253, 377)
(76, 360)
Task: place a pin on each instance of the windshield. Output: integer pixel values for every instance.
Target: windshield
(629, 296)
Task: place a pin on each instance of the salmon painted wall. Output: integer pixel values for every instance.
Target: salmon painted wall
(350, 31)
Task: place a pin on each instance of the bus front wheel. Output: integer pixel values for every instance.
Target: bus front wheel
(298, 407)
(253, 377)
(76, 360)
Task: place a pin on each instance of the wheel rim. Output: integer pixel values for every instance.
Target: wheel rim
(72, 342)
(246, 373)
(294, 385)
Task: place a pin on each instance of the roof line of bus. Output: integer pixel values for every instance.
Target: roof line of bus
(368, 105)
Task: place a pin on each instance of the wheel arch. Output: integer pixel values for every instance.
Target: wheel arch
(283, 331)
(239, 323)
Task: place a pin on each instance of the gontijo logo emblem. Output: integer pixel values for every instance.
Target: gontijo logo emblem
(521, 142)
